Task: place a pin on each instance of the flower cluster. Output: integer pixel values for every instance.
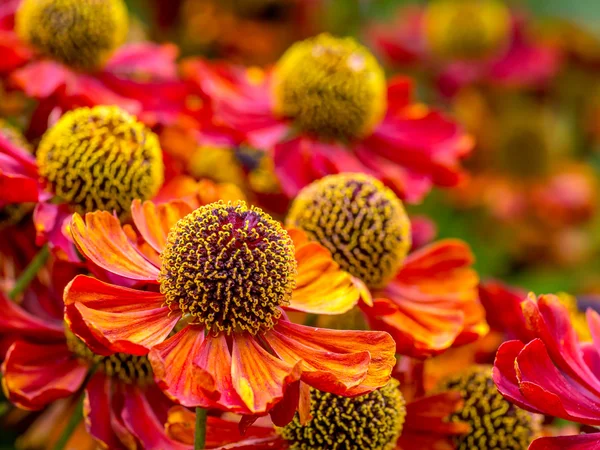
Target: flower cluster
(236, 249)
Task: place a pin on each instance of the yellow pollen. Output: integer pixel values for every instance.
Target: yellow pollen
(495, 423)
(101, 158)
(80, 33)
(359, 220)
(369, 422)
(331, 87)
(466, 29)
(129, 369)
(229, 266)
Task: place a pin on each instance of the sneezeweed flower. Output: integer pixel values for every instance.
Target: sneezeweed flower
(46, 362)
(225, 271)
(495, 423)
(380, 420)
(426, 300)
(326, 108)
(555, 373)
(468, 42)
(78, 53)
(98, 158)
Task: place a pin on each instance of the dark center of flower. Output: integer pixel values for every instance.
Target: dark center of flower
(230, 267)
(79, 33)
(466, 29)
(127, 368)
(370, 422)
(495, 423)
(100, 158)
(332, 87)
(359, 220)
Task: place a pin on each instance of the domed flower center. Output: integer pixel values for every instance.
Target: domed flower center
(370, 422)
(495, 423)
(331, 87)
(100, 158)
(229, 266)
(79, 33)
(127, 368)
(466, 29)
(359, 220)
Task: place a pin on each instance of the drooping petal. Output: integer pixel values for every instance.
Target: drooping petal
(259, 378)
(14, 320)
(155, 221)
(321, 286)
(173, 363)
(578, 442)
(505, 375)
(35, 375)
(41, 79)
(157, 61)
(379, 345)
(102, 239)
(120, 319)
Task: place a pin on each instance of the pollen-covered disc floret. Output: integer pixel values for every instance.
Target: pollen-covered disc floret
(79, 33)
(229, 266)
(466, 29)
(359, 220)
(127, 368)
(100, 159)
(331, 87)
(495, 423)
(370, 422)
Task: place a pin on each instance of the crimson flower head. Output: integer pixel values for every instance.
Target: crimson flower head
(92, 158)
(427, 299)
(555, 373)
(207, 307)
(326, 108)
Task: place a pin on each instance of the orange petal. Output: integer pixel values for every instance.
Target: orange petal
(322, 287)
(175, 371)
(36, 375)
(322, 369)
(122, 319)
(380, 346)
(155, 221)
(259, 378)
(102, 240)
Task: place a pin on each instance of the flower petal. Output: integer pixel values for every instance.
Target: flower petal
(155, 221)
(175, 371)
(36, 375)
(259, 378)
(121, 319)
(101, 239)
(15, 320)
(321, 286)
(380, 346)
(578, 442)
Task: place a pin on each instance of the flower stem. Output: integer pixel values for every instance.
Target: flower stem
(200, 435)
(75, 419)
(30, 272)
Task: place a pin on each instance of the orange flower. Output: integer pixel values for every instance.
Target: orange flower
(220, 277)
(427, 300)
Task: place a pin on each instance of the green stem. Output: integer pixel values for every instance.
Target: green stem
(75, 420)
(200, 435)
(30, 272)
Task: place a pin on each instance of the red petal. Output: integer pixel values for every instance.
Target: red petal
(122, 319)
(35, 375)
(578, 442)
(155, 221)
(175, 370)
(157, 61)
(15, 320)
(505, 375)
(259, 378)
(101, 239)
(41, 79)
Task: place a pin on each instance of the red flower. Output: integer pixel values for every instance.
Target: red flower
(515, 60)
(555, 373)
(236, 350)
(45, 362)
(407, 145)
